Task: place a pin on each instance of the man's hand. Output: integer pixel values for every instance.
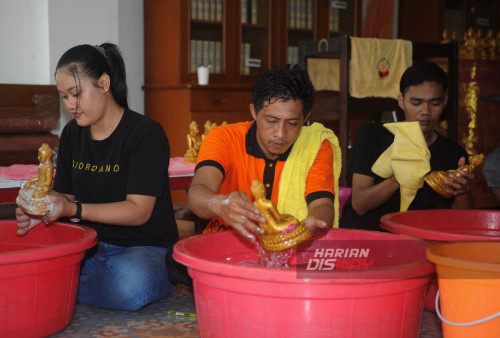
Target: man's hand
(239, 212)
(460, 184)
(317, 226)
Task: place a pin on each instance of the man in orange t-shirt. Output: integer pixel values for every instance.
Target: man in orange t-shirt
(231, 156)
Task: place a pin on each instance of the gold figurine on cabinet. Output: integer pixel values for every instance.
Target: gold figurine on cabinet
(194, 139)
(435, 178)
(283, 231)
(32, 196)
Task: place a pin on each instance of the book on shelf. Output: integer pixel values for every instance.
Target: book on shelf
(244, 11)
(193, 65)
(218, 10)
(193, 9)
(245, 55)
(199, 53)
(254, 10)
(218, 57)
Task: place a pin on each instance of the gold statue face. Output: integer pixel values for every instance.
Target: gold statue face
(44, 153)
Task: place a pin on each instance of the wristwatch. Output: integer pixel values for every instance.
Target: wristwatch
(77, 217)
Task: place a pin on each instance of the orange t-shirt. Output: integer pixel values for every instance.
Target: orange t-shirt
(234, 150)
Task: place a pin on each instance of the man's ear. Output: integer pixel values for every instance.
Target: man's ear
(104, 82)
(400, 101)
(253, 112)
(307, 118)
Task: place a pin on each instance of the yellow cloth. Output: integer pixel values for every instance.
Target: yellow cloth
(407, 158)
(324, 73)
(293, 178)
(368, 56)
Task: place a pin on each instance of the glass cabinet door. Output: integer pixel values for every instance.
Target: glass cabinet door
(254, 36)
(300, 26)
(206, 35)
(342, 17)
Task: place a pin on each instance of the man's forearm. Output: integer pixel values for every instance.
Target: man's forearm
(202, 201)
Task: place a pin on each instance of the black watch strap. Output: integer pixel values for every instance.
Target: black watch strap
(77, 217)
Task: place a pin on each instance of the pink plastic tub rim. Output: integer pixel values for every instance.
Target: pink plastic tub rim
(186, 256)
(86, 240)
(434, 231)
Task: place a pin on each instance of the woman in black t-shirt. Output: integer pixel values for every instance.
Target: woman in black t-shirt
(112, 175)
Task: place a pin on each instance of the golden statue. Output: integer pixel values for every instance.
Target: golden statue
(31, 198)
(194, 142)
(283, 231)
(194, 139)
(435, 178)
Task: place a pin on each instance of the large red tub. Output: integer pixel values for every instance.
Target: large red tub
(442, 226)
(235, 297)
(445, 225)
(39, 277)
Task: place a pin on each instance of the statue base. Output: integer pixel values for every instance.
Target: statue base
(280, 242)
(31, 205)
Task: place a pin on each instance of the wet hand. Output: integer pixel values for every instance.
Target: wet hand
(316, 226)
(26, 222)
(239, 212)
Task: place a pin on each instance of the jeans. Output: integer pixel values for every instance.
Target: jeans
(124, 278)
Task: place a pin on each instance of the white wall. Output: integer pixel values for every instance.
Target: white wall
(24, 36)
(35, 33)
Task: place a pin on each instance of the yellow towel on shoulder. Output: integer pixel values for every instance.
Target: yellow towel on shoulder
(407, 158)
(377, 65)
(293, 178)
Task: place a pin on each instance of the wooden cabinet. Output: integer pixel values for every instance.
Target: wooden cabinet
(239, 38)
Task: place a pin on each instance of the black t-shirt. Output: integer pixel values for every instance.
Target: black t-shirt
(134, 159)
(371, 141)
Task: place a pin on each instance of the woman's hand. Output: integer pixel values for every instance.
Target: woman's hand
(59, 207)
(26, 222)
(239, 212)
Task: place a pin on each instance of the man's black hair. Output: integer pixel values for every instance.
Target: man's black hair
(283, 83)
(420, 73)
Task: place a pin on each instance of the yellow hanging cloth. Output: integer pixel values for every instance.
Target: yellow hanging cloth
(293, 178)
(407, 158)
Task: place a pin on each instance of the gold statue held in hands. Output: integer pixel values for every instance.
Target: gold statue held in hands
(32, 196)
(435, 178)
(283, 231)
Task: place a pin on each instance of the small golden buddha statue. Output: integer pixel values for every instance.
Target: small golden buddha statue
(435, 178)
(283, 231)
(31, 198)
(194, 142)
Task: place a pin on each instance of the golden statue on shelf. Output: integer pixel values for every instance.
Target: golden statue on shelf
(283, 231)
(194, 139)
(435, 178)
(194, 142)
(31, 198)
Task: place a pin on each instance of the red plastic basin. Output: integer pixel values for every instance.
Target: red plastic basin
(445, 225)
(39, 277)
(237, 299)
